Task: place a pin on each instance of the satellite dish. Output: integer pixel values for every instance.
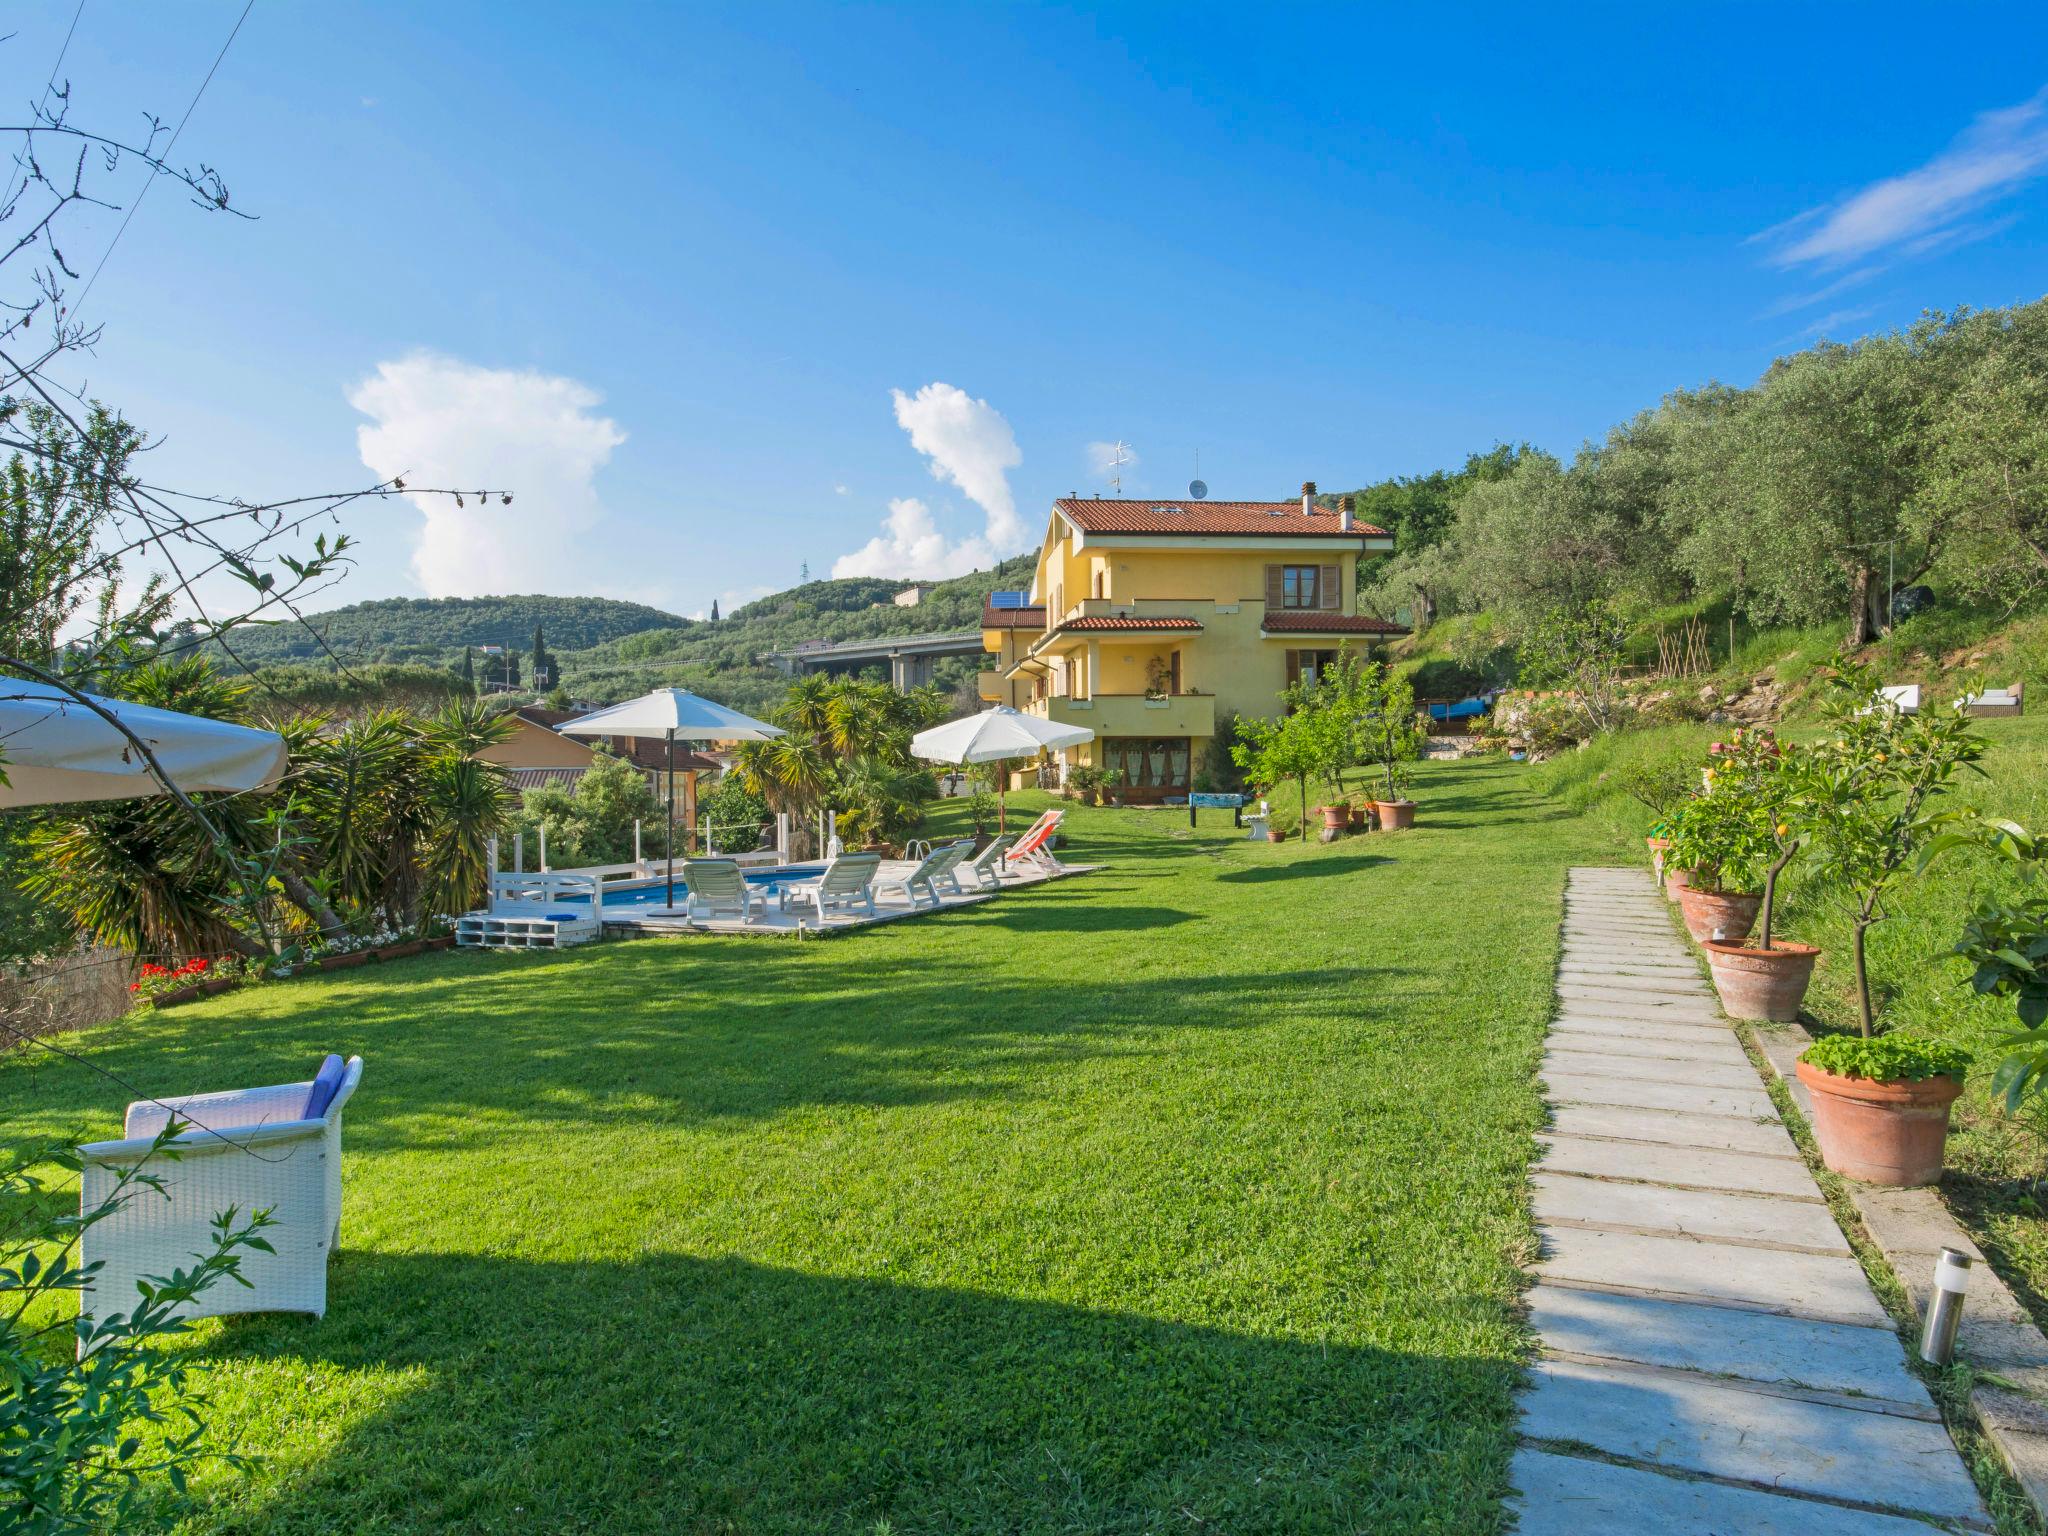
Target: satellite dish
(1197, 489)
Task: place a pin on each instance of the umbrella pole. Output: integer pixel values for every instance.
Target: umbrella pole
(671, 808)
(1002, 796)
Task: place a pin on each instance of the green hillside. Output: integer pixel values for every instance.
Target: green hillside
(606, 650)
(432, 628)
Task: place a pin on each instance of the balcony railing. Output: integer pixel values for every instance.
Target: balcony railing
(1134, 714)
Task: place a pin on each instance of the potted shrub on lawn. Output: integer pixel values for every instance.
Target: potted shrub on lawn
(1661, 784)
(1766, 980)
(1722, 837)
(1113, 784)
(1866, 797)
(1881, 1104)
(1389, 739)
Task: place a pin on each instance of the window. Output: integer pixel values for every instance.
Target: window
(1152, 765)
(1302, 586)
(1308, 666)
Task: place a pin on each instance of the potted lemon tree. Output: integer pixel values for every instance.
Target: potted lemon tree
(1768, 979)
(1868, 797)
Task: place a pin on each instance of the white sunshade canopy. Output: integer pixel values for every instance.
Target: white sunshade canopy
(993, 735)
(54, 750)
(674, 711)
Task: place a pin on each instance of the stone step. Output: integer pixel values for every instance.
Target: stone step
(1632, 979)
(1735, 1072)
(1694, 1166)
(1577, 1496)
(1680, 1098)
(1622, 1022)
(1716, 1133)
(1691, 1008)
(1761, 1347)
(1664, 1045)
(1824, 1286)
(1713, 1215)
(1684, 1421)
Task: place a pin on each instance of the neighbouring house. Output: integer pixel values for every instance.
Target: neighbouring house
(539, 754)
(1147, 620)
(911, 596)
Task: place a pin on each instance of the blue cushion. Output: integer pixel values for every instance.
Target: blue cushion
(326, 1082)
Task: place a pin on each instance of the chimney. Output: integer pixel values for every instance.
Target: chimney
(1345, 521)
(1308, 498)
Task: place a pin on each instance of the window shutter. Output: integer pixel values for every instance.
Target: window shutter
(1326, 587)
(1276, 591)
(1293, 668)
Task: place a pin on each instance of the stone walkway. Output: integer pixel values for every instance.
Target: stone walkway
(1713, 1359)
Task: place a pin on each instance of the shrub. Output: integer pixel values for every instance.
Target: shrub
(1887, 1058)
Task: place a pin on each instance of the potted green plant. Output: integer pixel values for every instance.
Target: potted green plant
(1722, 837)
(1767, 980)
(1660, 783)
(1867, 799)
(1881, 1104)
(1389, 738)
(1113, 782)
(1082, 781)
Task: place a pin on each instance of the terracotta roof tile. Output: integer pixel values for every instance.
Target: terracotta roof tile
(1111, 622)
(1312, 622)
(1277, 519)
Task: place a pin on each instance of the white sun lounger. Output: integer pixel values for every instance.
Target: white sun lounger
(848, 882)
(719, 889)
(935, 866)
(986, 867)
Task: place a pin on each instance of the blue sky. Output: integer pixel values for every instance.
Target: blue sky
(718, 292)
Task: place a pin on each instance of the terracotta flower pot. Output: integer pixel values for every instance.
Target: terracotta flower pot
(1395, 814)
(1361, 819)
(178, 995)
(404, 951)
(343, 962)
(1881, 1133)
(218, 985)
(1761, 983)
(1675, 880)
(1336, 817)
(445, 941)
(1717, 914)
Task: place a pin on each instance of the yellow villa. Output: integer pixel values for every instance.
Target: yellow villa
(1147, 620)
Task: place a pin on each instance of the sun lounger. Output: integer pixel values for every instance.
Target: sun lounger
(985, 869)
(932, 868)
(719, 889)
(1034, 848)
(1903, 697)
(848, 882)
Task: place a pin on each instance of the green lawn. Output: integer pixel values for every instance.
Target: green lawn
(1187, 1196)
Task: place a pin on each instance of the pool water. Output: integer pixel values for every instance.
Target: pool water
(656, 894)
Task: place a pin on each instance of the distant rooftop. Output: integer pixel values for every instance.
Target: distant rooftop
(1276, 519)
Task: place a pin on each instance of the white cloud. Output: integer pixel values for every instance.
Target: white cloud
(841, 490)
(1997, 153)
(911, 546)
(1102, 458)
(969, 445)
(1831, 323)
(1841, 284)
(439, 421)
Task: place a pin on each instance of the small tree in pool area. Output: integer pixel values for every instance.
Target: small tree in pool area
(1865, 797)
(1385, 726)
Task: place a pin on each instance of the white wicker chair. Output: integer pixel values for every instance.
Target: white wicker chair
(247, 1148)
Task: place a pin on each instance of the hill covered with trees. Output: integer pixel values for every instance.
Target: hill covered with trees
(603, 650)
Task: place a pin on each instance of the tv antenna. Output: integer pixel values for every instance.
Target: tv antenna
(1119, 456)
(1196, 488)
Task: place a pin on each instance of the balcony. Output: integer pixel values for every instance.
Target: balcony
(1132, 714)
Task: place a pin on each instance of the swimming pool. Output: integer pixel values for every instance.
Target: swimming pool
(655, 893)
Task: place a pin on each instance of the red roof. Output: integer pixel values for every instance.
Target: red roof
(1276, 519)
(644, 751)
(1309, 621)
(1110, 622)
(1013, 618)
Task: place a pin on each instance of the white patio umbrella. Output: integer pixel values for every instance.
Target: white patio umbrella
(676, 714)
(992, 736)
(55, 750)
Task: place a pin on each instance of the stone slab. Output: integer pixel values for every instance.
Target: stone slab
(1622, 1022)
(1715, 1215)
(1631, 978)
(1714, 1132)
(1726, 1341)
(1664, 1045)
(1736, 1073)
(1580, 955)
(1576, 1496)
(1692, 1007)
(1682, 1420)
(1677, 1165)
(2018, 1427)
(1580, 1088)
(1819, 1285)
